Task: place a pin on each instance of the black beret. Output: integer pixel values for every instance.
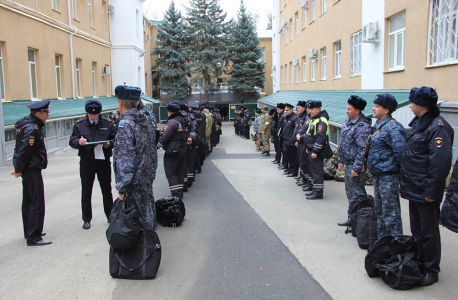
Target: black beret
(272, 110)
(173, 106)
(280, 105)
(128, 92)
(387, 101)
(184, 106)
(357, 102)
(93, 106)
(302, 103)
(314, 103)
(425, 96)
(43, 105)
(241, 107)
(193, 104)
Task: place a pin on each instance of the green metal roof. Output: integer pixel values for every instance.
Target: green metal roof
(15, 110)
(155, 22)
(335, 101)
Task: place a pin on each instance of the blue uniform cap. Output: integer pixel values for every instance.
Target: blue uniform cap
(425, 96)
(173, 106)
(280, 105)
(314, 103)
(193, 104)
(357, 102)
(184, 106)
(128, 92)
(387, 101)
(271, 111)
(93, 106)
(42, 105)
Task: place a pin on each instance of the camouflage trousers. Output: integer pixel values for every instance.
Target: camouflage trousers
(386, 204)
(354, 185)
(266, 141)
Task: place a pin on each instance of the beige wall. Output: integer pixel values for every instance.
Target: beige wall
(148, 62)
(416, 72)
(267, 43)
(19, 33)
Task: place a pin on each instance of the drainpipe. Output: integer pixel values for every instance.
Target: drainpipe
(71, 48)
(150, 62)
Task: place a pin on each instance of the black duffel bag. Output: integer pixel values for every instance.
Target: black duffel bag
(170, 211)
(400, 271)
(124, 224)
(142, 260)
(358, 203)
(366, 230)
(386, 247)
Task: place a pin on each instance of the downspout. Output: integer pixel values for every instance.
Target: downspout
(150, 62)
(71, 48)
(111, 52)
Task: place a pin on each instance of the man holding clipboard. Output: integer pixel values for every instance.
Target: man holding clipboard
(93, 136)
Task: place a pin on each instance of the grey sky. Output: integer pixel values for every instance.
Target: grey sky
(261, 7)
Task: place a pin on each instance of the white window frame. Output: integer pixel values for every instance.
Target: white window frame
(400, 33)
(291, 26)
(137, 24)
(89, 2)
(304, 16)
(441, 17)
(312, 11)
(263, 54)
(291, 72)
(281, 77)
(338, 59)
(78, 77)
(33, 74)
(103, 16)
(312, 69)
(2, 80)
(324, 6)
(106, 82)
(304, 69)
(323, 63)
(58, 76)
(286, 74)
(297, 23)
(286, 35)
(355, 53)
(75, 13)
(298, 69)
(94, 86)
(54, 4)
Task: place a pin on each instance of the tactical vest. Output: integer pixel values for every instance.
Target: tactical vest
(314, 122)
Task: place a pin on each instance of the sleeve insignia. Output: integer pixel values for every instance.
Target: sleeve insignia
(320, 128)
(121, 123)
(438, 141)
(31, 140)
(165, 128)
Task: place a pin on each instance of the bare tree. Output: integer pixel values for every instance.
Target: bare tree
(269, 20)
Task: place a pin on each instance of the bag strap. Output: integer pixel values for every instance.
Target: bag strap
(381, 128)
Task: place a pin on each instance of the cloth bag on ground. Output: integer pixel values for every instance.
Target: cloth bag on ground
(142, 260)
(170, 211)
(124, 224)
(360, 202)
(400, 271)
(366, 229)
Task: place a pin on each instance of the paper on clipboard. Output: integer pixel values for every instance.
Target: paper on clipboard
(98, 152)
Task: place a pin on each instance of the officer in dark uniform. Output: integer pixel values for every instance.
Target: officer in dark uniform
(246, 126)
(201, 125)
(301, 153)
(241, 120)
(174, 139)
(281, 120)
(274, 133)
(289, 140)
(315, 139)
(94, 128)
(30, 157)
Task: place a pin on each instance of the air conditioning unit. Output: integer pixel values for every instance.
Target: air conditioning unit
(148, 37)
(284, 23)
(295, 62)
(105, 71)
(273, 68)
(280, 30)
(304, 4)
(110, 9)
(312, 53)
(370, 33)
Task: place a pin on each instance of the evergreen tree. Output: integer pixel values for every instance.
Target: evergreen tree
(207, 34)
(247, 69)
(171, 64)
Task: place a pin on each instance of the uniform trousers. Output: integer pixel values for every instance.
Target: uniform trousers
(190, 162)
(88, 169)
(247, 131)
(424, 218)
(276, 141)
(292, 159)
(284, 157)
(175, 168)
(386, 204)
(316, 173)
(266, 142)
(354, 185)
(33, 205)
(303, 162)
(199, 159)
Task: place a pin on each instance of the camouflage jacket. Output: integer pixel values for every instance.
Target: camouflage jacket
(265, 123)
(152, 121)
(353, 142)
(208, 116)
(256, 123)
(387, 147)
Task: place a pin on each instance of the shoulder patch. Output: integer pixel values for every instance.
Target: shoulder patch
(31, 140)
(439, 142)
(440, 123)
(320, 128)
(165, 127)
(121, 123)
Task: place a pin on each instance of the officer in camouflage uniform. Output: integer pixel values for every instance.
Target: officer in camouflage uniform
(384, 162)
(152, 121)
(264, 129)
(256, 123)
(132, 154)
(208, 130)
(355, 130)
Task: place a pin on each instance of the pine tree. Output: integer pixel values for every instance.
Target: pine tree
(207, 33)
(171, 64)
(247, 70)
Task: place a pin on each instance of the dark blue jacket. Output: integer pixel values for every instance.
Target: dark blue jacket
(289, 126)
(449, 212)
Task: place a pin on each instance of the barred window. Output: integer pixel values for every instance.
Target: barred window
(355, 53)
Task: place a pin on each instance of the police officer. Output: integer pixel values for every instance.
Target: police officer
(355, 130)
(132, 154)
(208, 131)
(304, 119)
(384, 162)
(264, 129)
(274, 132)
(315, 139)
(29, 158)
(246, 122)
(190, 149)
(94, 128)
(426, 164)
(174, 139)
(281, 119)
(241, 121)
(201, 125)
(289, 140)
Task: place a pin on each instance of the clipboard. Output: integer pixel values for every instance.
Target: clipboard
(96, 143)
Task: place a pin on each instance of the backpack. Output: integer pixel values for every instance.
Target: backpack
(170, 211)
(399, 271)
(122, 233)
(386, 247)
(360, 201)
(366, 230)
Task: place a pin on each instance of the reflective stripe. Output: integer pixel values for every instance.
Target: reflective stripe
(314, 122)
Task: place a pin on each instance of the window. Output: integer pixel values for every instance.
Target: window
(10, 135)
(68, 127)
(286, 74)
(58, 79)
(304, 69)
(313, 11)
(442, 43)
(298, 67)
(286, 35)
(397, 41)
(75, 15)
(54, 4)
(281, 78)
(50, 129)
(32, 74)
(338, 59)
(304, 17)
(297, 23)
(323, 63)
(324, 4)
(94, 89)
(2, 82)
(312, 70)
(103, 16)
(78, 77)
(291, 72)
(355, 53)
(263, 55)
(90, 12)
(291, 26)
